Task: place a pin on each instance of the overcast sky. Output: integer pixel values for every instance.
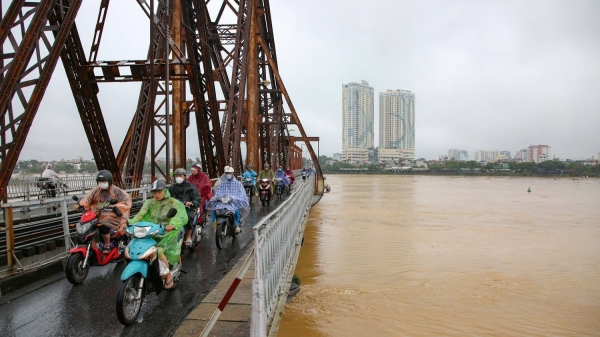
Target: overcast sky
(487, 75)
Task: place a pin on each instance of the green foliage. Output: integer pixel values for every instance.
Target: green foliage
(296, 279)
(323, 160)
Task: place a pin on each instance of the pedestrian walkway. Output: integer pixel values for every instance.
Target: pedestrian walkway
(235, 319)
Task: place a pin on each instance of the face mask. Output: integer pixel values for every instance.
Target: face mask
(279, 170)
(228, 176)
(179, 180)
(103, 185)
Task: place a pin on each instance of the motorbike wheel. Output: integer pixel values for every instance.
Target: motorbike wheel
(221, 235)
(43, 194)
(199, 233)
(76, 274)
(128, 305)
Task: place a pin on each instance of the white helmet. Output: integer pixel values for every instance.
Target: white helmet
(229, 169)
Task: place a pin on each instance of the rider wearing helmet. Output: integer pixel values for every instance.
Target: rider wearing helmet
(250, 174)
(190, 198)
(155, 210)
(267, 174)
(203, 184)
(100, 197)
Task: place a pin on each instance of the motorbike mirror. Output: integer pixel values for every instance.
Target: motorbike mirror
(113, 201)
(117, 211)
(75, 198)
(171, 213)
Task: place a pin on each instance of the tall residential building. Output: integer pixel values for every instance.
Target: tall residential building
(464, 155)
(357, 121)
(522, 155)
(481, 155)
(539, 153)
(454, 154)
(396, 125)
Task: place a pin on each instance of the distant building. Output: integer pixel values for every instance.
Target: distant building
(397, 124)
(442, 157)
(373, 154)
(464, 155)
(506, 154)
(337, 156)
(387, 155)
(357, 120)
(479, 155)
(522, 155)
(539, 153)
(454, 154)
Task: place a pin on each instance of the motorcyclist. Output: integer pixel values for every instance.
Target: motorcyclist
(233, 188)
(98, 198)
(290, 175)
(203, 184)
(155, 210)
(267, 174)
(250, 174)
(304, 173)
(49, 176)
(280, 174)
(191, 200)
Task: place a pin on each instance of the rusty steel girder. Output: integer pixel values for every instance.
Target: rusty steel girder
(16, 120)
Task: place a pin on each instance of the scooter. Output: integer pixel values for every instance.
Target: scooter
(85, 255)
(303, 173)
(224, 223)
(142, 275)
(265, 191)
(197, 230)
(279, 187)
(249, 187)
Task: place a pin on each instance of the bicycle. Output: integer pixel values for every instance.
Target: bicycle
(45, 190)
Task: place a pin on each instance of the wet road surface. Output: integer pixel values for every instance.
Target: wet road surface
(61, 309)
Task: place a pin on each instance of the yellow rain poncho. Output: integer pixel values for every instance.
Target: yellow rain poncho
(155, 211)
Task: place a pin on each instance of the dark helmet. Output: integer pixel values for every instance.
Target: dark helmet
(104, 175)
(158, 185)
(180, 171)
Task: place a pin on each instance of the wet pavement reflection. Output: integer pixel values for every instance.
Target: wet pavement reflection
(61, 309)
(450, 256)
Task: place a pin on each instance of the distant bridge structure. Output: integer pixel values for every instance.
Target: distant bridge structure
(225, 57)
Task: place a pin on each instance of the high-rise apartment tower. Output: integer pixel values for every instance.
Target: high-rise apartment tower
(396, 125)
(357, 121)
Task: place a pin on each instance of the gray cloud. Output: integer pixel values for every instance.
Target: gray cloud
(487, 75)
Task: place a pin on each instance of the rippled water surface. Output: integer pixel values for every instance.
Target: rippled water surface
(450, 256)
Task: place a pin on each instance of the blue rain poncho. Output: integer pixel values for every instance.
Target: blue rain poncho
(234, 189)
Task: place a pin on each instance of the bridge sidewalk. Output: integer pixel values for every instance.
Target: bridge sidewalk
(235, 319)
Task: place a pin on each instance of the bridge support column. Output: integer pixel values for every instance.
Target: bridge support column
(252, 155)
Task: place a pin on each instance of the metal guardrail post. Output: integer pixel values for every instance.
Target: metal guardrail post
(10, 237)
(65, 219)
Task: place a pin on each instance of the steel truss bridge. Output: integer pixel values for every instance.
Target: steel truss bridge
(227, 53)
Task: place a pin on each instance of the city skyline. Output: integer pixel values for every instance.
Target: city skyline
(488, 75)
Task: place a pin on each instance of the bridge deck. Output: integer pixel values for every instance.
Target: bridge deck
(89, 309)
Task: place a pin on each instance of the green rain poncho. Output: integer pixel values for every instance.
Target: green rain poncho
(156, 212)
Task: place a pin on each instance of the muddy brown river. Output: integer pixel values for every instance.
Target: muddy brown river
(450, 256)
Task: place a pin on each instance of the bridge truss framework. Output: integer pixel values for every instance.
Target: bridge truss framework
(226, 59)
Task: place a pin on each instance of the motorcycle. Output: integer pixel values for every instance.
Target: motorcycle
(142, 275)
(303, 175)
(85, 255)
(279, 187)
(197, 230)
(289, 186)
(249, 187)
(224, 223)
(265, 191)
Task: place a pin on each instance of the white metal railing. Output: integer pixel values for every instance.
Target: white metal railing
(276, 239)
(26, 188)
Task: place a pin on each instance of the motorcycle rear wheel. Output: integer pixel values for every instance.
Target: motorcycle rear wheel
(128, 306)
(76, 274)
(221, 235)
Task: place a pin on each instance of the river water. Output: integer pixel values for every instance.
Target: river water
(450, 256)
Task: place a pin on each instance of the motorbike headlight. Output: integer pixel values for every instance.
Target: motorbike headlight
(140, 232)
(149, 254)
(226, 200)
(82, 228)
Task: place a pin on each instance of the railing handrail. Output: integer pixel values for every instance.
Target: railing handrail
(276, 237)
